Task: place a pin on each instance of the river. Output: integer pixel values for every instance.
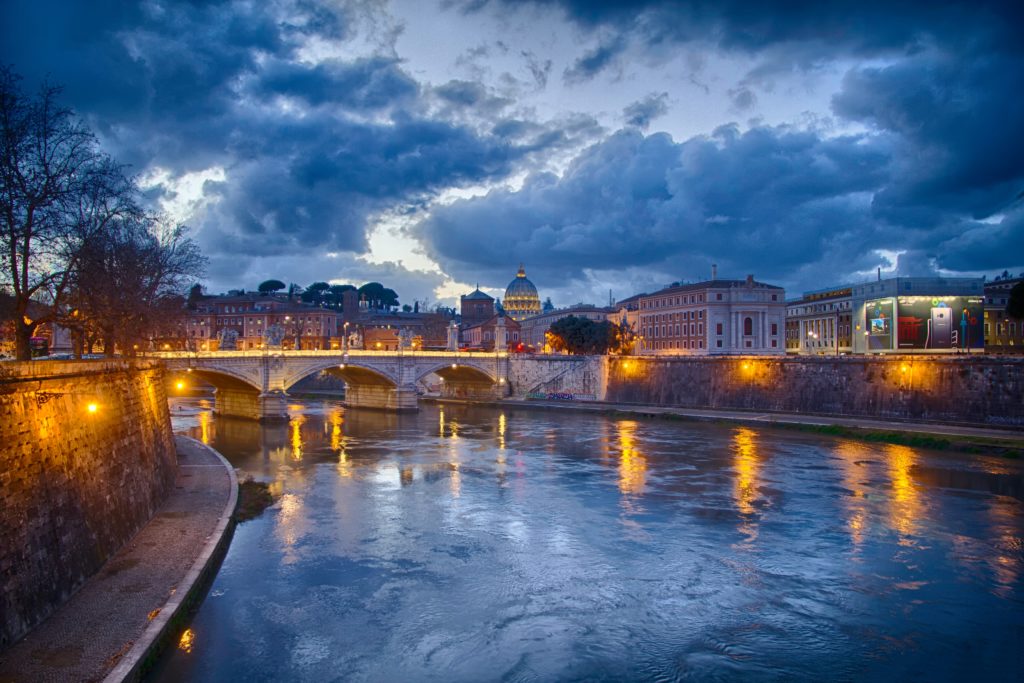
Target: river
(483, 544)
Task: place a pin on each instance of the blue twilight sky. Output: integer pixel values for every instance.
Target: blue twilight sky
(615, 145)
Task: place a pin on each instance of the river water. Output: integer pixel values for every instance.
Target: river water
(482, 544)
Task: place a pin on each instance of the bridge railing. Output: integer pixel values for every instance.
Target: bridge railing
(329, 353)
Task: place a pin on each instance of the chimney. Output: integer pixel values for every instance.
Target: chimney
(714, 271)
(750, 281)
(879, 273)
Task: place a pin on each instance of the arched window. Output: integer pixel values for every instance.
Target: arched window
(748, 326)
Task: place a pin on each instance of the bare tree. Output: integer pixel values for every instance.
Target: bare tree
(130, 280)
(57, 192)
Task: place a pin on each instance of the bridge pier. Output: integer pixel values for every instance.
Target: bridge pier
(271, 405)
(398, 399)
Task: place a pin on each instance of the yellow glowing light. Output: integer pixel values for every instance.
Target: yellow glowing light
(188, 638)
(92, 407)
(903, 368)
(746, 366)
(205, 421)
(746, 464)
(454, 366)
(632, 463)
(180, 385)
(378, 345)
(904, 500)
(342, 366)
(296, 429)
(188, 370)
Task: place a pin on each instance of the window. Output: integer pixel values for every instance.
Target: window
(1013, 329)
(700, 329)
(718, 330)
(700, 315)
(718, 296)
(775, 343)
(719, 343)
(692, 329)
(775, 297)
(748, 328)
(775, 329)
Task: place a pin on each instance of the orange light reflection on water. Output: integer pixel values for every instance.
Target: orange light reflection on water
(187, 640)
(205, 422)
(904, 501)
(849, 453)
(295, 423)
(746, 463)
(632, 463)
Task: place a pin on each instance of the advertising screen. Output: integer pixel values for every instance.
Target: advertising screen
(879, 324)
(940, 322)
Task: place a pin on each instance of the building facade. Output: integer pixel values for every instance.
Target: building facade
(918, 315)
(242, 322)
(534, 328)
(820, 322)
(498, 329)
(713, 317)
(1003, 334)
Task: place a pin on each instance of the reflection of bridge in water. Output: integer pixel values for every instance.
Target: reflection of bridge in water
(255, 384)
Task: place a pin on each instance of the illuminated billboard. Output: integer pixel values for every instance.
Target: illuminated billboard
(879, 324)
(940, 323)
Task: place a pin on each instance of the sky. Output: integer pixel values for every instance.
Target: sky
(611, 147)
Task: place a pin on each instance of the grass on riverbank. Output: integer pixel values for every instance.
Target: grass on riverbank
(253, 498)
(1012, 450)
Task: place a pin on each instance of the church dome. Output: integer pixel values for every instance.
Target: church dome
(521, 298)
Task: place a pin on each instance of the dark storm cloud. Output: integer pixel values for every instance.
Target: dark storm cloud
(594, 61)
(641, 113)
(309, 151)
(773, 196)
(364, 84)
(961, 127)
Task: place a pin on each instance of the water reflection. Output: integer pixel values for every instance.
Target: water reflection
(745, 484)
(852, 457)
(632, 463)
(904, 503)
(477, 544)
(205, 425)
(295, 422)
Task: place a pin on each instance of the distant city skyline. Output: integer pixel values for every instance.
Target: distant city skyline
(622, 145)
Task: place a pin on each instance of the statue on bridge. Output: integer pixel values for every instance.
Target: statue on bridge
(273, 336)
(228, 339)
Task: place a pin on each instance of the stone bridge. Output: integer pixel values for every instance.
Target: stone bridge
(255, 384)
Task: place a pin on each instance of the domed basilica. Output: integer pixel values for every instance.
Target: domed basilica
(521, 298)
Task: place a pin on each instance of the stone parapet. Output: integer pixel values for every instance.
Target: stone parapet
(86, 457)
(967, 389)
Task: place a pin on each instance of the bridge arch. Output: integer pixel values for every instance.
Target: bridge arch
(221, 378)
(356, 373)
(462, 380)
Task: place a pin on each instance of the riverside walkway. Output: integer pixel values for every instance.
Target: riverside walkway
(109, 627)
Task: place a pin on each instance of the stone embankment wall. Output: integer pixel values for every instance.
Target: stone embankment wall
(579, 377)
(75, 483)
(972, 389)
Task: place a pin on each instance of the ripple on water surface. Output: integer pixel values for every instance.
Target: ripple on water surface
(469, 544)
